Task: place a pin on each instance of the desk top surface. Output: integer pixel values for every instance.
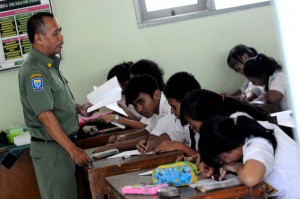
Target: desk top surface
(115, 184)
(133, 161)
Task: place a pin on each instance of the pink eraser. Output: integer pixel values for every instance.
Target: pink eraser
(145, 189)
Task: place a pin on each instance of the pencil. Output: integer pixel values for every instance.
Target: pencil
(146, 140)
(108, 130)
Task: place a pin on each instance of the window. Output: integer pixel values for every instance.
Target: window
(154, 12)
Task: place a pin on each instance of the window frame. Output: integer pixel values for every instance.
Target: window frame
(145, 19)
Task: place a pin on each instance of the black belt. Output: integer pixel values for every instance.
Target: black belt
(72, 137)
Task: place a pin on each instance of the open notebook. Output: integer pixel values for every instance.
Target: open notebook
(204, 185)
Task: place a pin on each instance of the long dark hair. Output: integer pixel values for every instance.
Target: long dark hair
(236, 54)
(261, 65)
(201, 104)
(222, 134)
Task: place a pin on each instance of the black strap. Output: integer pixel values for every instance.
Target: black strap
(35, 139)
(192, 136)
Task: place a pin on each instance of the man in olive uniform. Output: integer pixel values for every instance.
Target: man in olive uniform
(50, 111)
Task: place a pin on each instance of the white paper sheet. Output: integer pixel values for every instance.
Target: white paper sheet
(147, 173)
(285, 118)
(210, 184)
(105, 94)
(127, 154)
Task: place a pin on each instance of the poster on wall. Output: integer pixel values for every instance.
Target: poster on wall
(14, 42)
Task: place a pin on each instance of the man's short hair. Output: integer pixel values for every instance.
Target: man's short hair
(175, 88)
(35, 24)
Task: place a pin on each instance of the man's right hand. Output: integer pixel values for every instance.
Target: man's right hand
(80, 157)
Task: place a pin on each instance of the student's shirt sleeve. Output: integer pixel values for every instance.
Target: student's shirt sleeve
(38, 92)
(164, 124)
(261, 150)
(244, 86)
(278, 82)
(176, 132)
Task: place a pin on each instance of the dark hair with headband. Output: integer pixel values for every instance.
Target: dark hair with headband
(236, 53)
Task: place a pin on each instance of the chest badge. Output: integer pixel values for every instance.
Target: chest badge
(37, 84)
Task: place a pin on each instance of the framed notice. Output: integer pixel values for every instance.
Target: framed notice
(14, 42)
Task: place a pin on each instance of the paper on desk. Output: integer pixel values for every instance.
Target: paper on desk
(210, 184)
(127, 154)
(285, 118)
(146, 173)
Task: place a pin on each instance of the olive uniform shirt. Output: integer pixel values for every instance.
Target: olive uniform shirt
(43, 88)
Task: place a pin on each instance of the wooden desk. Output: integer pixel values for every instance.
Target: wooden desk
(93, 179)
(100, 140)
(115, 183)
(19, 181)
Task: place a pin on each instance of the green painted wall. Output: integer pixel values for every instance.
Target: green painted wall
(100, 34)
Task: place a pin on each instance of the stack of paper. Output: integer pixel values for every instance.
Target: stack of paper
(107, 96)
(22, 139)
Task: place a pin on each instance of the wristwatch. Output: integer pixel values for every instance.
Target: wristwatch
(117, 117)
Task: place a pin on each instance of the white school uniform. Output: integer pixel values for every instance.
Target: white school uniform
(278, 82)
(182, 134)
(282, 169)
(247, 86)
(161, 122)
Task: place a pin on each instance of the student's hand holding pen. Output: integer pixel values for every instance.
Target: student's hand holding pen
(243, 97)
(205, 170)
(145, 146)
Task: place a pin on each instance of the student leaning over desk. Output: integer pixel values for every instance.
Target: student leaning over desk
(200, 104)
(236, 60)
(265, 71)
(257, 151)
(178, 137)
(121, 71)
(124, 72)
(143, 92)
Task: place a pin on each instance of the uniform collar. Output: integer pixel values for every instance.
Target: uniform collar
(49, 62)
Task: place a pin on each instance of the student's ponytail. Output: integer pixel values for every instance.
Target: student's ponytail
(250, 127)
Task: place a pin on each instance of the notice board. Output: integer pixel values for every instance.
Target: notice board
(14, 42)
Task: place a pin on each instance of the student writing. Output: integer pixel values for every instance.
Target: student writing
(256, 151)
(266, 71)
(144, 94)
(236, 59)
(178, 137)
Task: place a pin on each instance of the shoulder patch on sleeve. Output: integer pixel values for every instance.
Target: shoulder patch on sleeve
(37, 84)
(35, 75)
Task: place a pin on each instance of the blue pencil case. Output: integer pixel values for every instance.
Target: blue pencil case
(175, 174)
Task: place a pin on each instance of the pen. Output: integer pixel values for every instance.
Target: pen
(146, 140)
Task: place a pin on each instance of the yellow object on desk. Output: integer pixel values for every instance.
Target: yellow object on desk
(11, 133)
